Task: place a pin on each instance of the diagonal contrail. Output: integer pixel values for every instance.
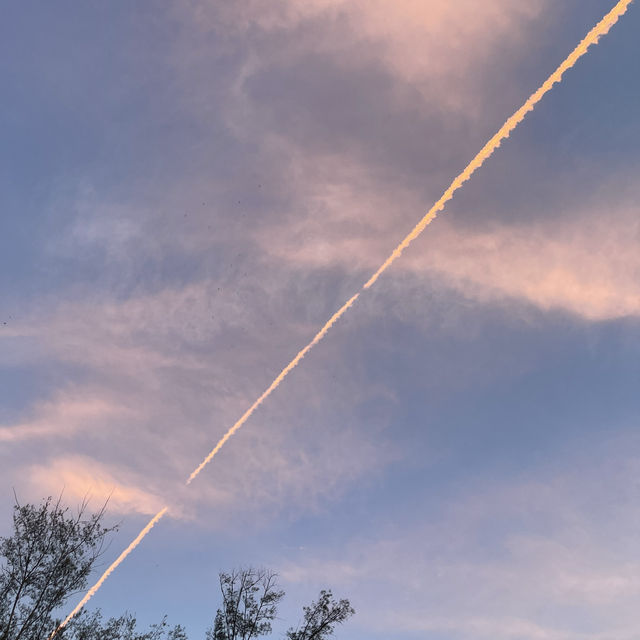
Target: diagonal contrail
(512, 122)
(280, 377)
(505, 130)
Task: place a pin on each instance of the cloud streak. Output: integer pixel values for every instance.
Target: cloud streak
(568, 527)
(64, 416)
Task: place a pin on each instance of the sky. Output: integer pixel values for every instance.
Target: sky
(190, 189)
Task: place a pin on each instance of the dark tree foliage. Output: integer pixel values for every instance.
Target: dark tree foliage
(46, 561)
(51, 553)
(250, 599)
(321, 617)
(92, 627)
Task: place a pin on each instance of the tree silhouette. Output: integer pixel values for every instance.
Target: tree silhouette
(250, 599)
(51, 553)
(46, 561)
(321, 617)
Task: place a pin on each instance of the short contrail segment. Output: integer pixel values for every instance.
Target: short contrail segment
(112, 567)
(281, 376)
(512, 122)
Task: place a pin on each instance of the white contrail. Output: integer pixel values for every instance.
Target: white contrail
(512, 122)
(279, 378)
(505, 130)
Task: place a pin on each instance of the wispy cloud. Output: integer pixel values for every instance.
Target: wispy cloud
(582, 262)
(551, 555)
(65, 416)
(436, 47)
(168, 377)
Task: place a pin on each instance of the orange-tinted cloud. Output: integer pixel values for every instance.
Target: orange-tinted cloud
(586, 265)
(79, 477)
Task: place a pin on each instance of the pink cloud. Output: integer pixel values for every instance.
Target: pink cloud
(168, 382)
(586, 266)
(580, 262)
(80, 477)
(64, 416)
(415, 41)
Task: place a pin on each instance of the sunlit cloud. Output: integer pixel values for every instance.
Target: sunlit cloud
(79, 477)
(583, 264)
(435, 48)
(192, 344)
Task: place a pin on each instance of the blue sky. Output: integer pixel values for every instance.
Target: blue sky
(190, 189)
